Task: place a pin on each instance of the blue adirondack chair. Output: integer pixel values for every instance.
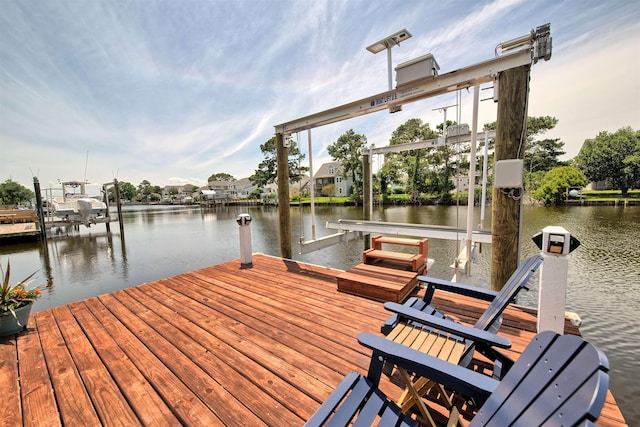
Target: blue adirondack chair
(558, 380)
(417, 313)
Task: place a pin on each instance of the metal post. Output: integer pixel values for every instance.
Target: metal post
(484, 178)
(389, 67)
(472, 176)
(556, 243)
(244, 221)
(367, 193)
(312, 189)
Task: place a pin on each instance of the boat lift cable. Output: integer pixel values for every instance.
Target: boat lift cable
(300, 184)
(457, 186)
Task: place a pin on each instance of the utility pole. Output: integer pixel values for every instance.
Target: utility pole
(510, 139)
(282, 156)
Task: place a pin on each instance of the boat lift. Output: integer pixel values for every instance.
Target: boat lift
(521, 51)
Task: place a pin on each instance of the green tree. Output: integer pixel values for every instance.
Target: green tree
(347, 150)
(411, 165)
(127, 191)
(267, 171)
(557, 182)
(540, 155)
(144, 188)
(221, 176)
(612, 157)
(255, 194)
(13, 193)
(328, 190)
(543, 155)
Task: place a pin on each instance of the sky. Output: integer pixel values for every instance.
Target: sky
(175, 91)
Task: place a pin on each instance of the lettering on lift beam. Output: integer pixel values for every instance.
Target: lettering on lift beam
(384, 99)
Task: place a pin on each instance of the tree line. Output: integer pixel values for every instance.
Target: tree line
(612, 158)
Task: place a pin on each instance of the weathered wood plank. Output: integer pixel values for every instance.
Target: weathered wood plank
(38, 401)
(108, 401)
(185, 405)
(298, 310)
(200, 384)
(74, 403)
(220, 360)
(148, 406)
(259, 346)
(11, 408)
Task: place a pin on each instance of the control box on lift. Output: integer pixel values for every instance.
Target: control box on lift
(418, 68)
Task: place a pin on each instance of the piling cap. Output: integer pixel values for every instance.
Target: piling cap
(243, 219)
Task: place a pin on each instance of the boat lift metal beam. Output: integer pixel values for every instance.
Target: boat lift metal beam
(428, 143)
(413, 230)
(327, 241)
(417, 90)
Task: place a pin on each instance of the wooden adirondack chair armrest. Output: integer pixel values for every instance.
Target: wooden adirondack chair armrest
(464, 331)
(431, 284)
(413, 302)
(461, 380)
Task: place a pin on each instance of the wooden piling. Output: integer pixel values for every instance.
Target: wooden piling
(39, 207)
(116, 186)
(510, 140)
(282, 155)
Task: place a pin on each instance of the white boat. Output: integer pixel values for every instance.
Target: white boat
(77, 206)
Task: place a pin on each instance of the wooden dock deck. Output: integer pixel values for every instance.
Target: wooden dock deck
(224, 345)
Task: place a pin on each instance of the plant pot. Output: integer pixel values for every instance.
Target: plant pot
(10, 325)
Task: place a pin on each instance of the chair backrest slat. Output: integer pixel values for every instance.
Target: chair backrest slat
(516, 282)
(557, 377)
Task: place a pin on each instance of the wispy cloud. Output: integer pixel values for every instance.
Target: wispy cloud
(172, 91)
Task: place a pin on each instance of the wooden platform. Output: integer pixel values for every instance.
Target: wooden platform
(19, 230)
(218, 346)
(415, 261)
(378, 283)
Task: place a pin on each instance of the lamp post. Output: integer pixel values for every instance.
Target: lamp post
(387, 43)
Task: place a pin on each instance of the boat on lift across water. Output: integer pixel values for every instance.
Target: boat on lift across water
(77, 206)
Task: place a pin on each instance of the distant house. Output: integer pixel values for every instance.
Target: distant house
(178, 193)
(295, 188)
(206, 194)
(599, 185)
(331, 173)
(241, 188)
(215, 190)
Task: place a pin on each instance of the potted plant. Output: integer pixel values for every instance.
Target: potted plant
(15, 303)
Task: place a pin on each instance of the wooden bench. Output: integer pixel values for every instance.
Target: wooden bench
(378, 283)
(417, 261)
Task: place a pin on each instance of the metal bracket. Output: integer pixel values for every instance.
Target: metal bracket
(541, 43)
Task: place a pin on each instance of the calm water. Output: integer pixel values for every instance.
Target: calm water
(604, 272)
